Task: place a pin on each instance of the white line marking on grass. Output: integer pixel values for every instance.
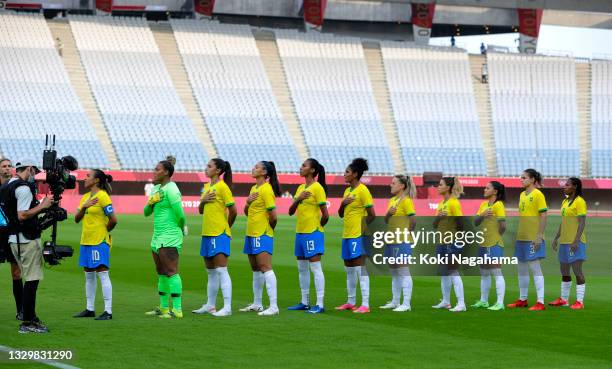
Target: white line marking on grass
(53, 363)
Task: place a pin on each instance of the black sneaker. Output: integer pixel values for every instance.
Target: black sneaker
(33, 327)
(105, 316)
(85, 314)
(19, 316)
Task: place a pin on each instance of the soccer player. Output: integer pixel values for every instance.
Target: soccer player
(448, 220)
(260, 209)
(400, 209)
(530, 246)
(217, 235)
(99, 219)
(570, 235)
(310, 203)
(491, 217)
(356, 203)
(168, 230)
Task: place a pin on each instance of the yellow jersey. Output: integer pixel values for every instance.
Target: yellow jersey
(452, 206)
(490, 225)
(356, 210)
(257, 220)
(309, 210)
(530, 207)
(214, 218)
(95, 219)
(570, 211)
(404, 208)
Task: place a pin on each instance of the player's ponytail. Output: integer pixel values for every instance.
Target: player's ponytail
(537, 177)
(224, 168)
(272, 176)
(501, 191)
(359, 166)
(104, 180)
(319, 172)
(456, 188)
(409, 187)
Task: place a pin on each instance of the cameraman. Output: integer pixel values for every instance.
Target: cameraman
(6, 172)
(22, 209)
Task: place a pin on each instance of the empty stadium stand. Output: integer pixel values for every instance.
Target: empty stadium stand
(37, 97)
(140, 108)
(434, 108)
(534, 111)
(601, 118)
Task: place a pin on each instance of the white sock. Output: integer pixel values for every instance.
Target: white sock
(458, 285)
(565, 289)
(226, 287)
(523, 277)
(500, 285)
(258, 283)
(364, 284)
(352, 274)
(270, 279)
(580, 292)
(90, 290)
(107, 291)
(212, 287)
(406, 284)
(485, 284)
(396, 286)
(304, 276)
(538, 279)
(445, 285)
(319, 280)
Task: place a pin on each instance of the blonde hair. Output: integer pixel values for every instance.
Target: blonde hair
(410, 188)
(455, 185)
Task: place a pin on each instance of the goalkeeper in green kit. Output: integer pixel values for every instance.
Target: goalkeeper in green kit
(168, 229)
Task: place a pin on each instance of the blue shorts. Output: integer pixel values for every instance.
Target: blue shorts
(213, 245)
(449, 249)
(352, 248)
(393, 251)
(524, 251)
(94, 256)
(567, 256)
(492, 251)
(308, 245)
(257, 245)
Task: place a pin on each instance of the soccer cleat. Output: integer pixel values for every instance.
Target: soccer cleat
(458, 308)
(316, 310)
(205, 309)
(346, 306)
(223, 312)
(558, 302)
(85, 314)
(577, 306)
(389, 305)
(35, 326)
(269, 311)
(402, 308)
(252, 307)
(178, 314)
(496, 307)
(442, 305)
(537, 307)
(105, 316)
(518, 304)
(299, 306)
(157, 312)
(362, 310)
(480, 304)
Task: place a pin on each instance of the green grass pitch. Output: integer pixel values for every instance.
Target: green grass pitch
(423, 338)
